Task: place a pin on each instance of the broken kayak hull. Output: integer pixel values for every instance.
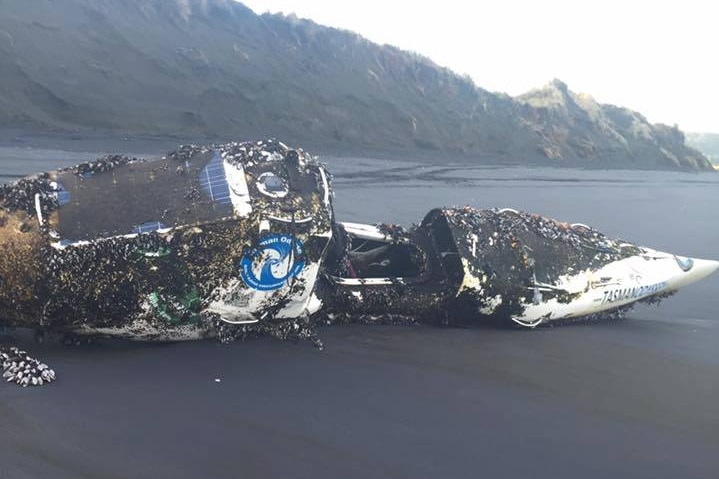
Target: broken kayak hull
(465, 265)
(228, 239)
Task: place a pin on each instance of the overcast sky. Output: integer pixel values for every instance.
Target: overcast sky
(657, 57)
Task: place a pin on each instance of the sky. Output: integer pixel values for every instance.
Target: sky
(656, 57)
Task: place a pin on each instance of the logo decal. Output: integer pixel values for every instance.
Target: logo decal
(635, 292)
(272, 262)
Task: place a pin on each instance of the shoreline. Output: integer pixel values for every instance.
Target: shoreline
(100, 143)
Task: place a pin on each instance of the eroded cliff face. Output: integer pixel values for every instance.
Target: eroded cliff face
(573, 128)
(213, 68)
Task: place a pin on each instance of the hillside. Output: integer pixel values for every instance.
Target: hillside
(213, 68)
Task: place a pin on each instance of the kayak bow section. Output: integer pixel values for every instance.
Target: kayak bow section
(534, 269)
(646, 276)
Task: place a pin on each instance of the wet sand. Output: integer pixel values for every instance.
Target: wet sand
(629, 398)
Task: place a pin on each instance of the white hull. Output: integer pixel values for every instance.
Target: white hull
(618, 284)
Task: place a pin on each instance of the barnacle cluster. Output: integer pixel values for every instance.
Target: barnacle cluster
(24, 370)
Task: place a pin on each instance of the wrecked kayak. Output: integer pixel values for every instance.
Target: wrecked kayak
(464, 265)
(226, 239)
(165, 249)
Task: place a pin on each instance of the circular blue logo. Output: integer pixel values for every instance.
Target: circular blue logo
(271, 263)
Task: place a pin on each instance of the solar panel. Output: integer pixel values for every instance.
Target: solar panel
(149, 227)
(63, 196)
(214, 182)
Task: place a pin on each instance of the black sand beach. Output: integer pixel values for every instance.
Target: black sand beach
(624, 398)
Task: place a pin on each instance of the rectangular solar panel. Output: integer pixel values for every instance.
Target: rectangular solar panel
(134, 198)
(214, 182)
(150, 227)
(63, 197)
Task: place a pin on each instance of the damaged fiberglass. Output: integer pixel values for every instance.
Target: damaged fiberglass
(237, 239)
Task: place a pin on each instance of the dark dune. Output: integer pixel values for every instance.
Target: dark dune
(630, 398)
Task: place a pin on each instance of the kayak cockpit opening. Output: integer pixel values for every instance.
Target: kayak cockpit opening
(361, 251)
(376, 259)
